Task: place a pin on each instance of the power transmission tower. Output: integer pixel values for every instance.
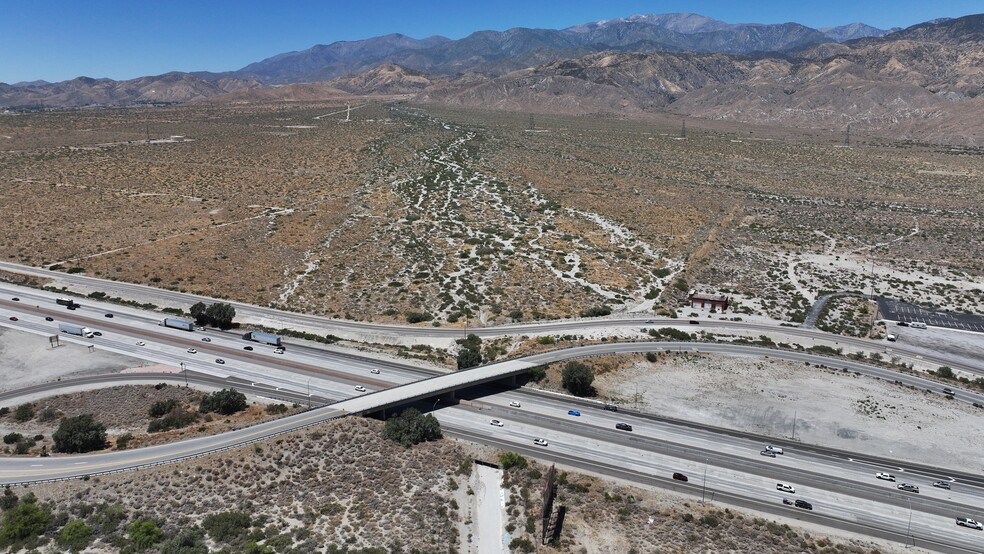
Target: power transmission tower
(683, 129)
(531, 127)
(847, 136)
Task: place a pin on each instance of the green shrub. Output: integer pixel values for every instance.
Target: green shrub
(418, 317)
(225, 402)
(175, 419)
(522, 545)
(411, 427)
(596, 311)
(509, 460)
(22, 523)
(577, 379)
(24, 412)
(144, 533)
(12, 438)
(227, 526)
(277, 409)
(79, 434)
(161, 407)
(75, 536)
(538, 373)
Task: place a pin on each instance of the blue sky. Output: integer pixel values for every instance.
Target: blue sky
(56, 40)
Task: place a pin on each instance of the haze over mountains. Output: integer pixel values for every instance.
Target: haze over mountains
(921, 82)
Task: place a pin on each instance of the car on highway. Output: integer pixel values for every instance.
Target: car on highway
(680, 477)
(623, 426)
(949, 392)
(885, 476)
(496, 422)
(768, 453)
(515, 404)
(942, 485)
(192, 351)
(902, 324)
(278, 351)
(785, 488)
(360, 388)
(247, 348)
(694, 322)
(539, 442)
(109, 315)
(650, 321)
(206, 339)
(15, 299)
(49, 318)
(775, 449)
(967, 522)
(141, 343)
(803, 504)
(219, 361)
(907, 487)
(574, 413)
(611, 407)
(13, 318)
(97, 334)
(891, 337)
(374, 371)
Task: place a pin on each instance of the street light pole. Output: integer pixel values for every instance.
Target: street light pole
(794, 424)
(309, 393)
(184, 370)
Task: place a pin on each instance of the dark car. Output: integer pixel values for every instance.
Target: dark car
(680, 477)
(694, 322)
(611, 407)
(803, 504)
(219, 361)
(15, 299)
(109, 315)
(623, 426)
(13, 318)
(49, 318)
(72, 306)
(902, 324)
(247, 348)
(949, 392)
(97, 334)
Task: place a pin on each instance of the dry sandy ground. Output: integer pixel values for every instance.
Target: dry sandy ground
(27, 359)
(831, 408)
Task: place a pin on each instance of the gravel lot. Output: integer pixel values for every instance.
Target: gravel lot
(830, 408)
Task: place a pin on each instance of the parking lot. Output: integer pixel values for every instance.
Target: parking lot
(909, 313)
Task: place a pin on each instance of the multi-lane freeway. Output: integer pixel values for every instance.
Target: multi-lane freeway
(840, 485)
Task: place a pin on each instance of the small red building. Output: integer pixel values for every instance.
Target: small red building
(708, 301)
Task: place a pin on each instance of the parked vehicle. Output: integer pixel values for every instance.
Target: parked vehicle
(680, 477)
(917, 325)
(72, 329)
(178, 324)
(885, 476)
(623, 426)
(891, 337)
(265, 338)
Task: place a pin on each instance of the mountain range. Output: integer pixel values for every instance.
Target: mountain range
(919, 82)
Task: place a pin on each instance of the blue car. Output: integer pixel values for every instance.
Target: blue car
(573, 412)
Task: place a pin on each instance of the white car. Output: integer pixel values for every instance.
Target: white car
(360, 388)
(967, 522)
(496, 422)
(141, 343)
(192, 351)
(774, 449)
(206, 339)
(515, 404)
(374, 371)
(539, 442)
(785, 488)
(885, 476)
(278, 351)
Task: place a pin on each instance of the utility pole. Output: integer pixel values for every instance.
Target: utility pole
(184, 370)
(683, 129)
(847, 136)
(531, 127)
(794, 424)
(309, 394)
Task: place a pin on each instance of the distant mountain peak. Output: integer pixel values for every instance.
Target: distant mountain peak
(852, 31)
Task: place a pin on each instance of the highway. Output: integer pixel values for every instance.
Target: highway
(840, 485)
(400, 333)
